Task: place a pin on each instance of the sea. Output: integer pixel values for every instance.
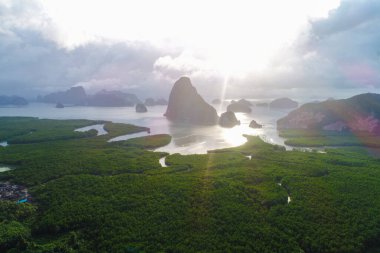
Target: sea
(186, 139)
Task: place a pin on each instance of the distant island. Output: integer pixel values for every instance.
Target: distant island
(240, 106)
(141, 108)
(12, 100)
(59, 105)
(153, 102)
(78, 96)
(228, 119)
(113, 99)
(73, 96)
(283, 103)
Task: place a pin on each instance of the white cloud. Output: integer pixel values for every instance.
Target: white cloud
(258, 47)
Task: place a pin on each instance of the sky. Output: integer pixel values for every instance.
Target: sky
(239, 48)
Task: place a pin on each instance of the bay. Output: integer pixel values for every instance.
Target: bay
(187, 139)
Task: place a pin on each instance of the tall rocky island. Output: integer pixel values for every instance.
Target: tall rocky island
(187, 106)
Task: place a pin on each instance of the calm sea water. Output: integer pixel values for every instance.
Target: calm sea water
(186, 139)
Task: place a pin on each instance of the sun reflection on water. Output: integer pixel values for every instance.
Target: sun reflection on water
(234, 136)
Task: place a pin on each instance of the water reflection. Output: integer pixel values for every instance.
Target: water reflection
(185, 139)
(162, 162)
(129, 136)
(4, 168)
(99, 128)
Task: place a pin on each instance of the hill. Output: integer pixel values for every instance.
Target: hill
(347, 122)
(12, 100)
(78, 96)
(360, 113)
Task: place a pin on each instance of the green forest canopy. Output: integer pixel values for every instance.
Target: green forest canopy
(89, 195)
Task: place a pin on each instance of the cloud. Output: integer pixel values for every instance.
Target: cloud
(347, 44)
(33, 63)
(340, 51)
(30, 63)
(171, 67)
(204, 76)
(350, 15)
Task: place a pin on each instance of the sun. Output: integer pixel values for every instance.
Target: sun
(235, 37)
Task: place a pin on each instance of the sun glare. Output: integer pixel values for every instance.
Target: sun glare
(234, 136)
(231, 36)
